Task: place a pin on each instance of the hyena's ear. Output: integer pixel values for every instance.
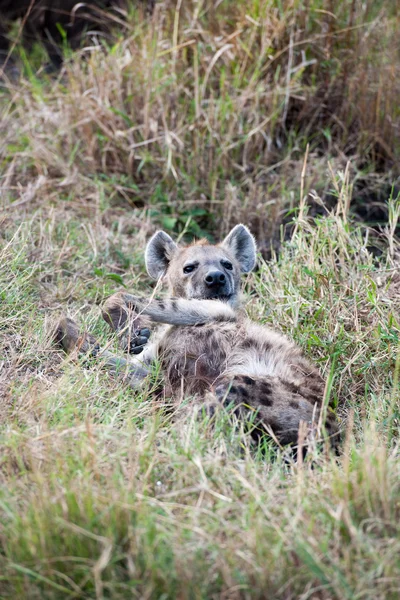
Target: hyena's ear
(242, 245)
(159, 252)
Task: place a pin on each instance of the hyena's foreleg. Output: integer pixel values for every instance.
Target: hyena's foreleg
(181, 311)
(133, 371)
(132, 329)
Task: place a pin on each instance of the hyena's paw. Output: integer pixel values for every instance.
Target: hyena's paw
(135, 341)
(69, 337)
(121, 313)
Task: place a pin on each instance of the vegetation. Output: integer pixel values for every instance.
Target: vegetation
(198, 117)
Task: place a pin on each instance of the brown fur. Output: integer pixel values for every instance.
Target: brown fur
(208, 346)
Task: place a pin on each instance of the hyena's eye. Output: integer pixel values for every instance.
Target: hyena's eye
(228, 265)
(189, 268)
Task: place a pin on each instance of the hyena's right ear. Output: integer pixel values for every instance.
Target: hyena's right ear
(159, 251)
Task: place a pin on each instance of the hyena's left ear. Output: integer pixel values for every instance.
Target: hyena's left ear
(159, 252)
(242, 245)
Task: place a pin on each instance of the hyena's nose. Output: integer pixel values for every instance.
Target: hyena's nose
(215, 279)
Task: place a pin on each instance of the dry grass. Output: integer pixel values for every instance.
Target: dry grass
(107, 494)
(203, 113)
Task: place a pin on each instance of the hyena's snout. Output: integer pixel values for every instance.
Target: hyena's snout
(215, 280)
(213, 283)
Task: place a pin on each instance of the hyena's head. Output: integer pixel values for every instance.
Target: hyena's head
(202, 270)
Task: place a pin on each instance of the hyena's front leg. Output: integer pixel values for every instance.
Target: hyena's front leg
(132, 329)
(180, 311)
(68, 335)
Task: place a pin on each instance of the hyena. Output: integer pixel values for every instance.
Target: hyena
(207, 347)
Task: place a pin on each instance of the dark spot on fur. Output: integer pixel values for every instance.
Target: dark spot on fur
(247, 343)
(248, 380)
(265, 388)
(233, 390)
(311, 393)
(242, 391)
(294, 404)
(174, 305)
(292, 387)
(312, 398)
(161, 305)
(266, 401)
(266, 346)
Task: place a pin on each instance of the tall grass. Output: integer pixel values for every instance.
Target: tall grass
(198, 117)
(204, 111)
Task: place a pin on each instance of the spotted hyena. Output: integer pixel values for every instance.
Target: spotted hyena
(207, 347)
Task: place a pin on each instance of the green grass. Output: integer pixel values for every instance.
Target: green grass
(106, 493)
(110, 493)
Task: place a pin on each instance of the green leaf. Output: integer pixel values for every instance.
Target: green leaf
(115, 277)
(169, 222)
